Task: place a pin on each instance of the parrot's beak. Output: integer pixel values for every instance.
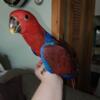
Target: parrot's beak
(12, 30)
(14, 26)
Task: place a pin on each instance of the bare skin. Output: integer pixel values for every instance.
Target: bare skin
(51, 85)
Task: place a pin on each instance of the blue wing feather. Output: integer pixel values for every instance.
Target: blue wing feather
(49, 40)
(46, 65)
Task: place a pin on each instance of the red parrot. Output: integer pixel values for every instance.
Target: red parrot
(55, 55)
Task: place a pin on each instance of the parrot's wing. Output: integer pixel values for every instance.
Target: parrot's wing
(57, 60)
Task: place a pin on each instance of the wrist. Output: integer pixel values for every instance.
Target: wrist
(50, 78)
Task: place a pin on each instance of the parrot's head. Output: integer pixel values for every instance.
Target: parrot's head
(21, 21)
(25, 23)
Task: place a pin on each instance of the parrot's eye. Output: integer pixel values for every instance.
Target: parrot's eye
(26, 17)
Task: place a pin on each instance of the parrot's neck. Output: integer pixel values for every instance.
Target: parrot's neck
(35, 39)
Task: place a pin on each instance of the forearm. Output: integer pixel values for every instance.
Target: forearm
(49, 90)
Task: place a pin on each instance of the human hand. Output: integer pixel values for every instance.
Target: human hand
(44, 75)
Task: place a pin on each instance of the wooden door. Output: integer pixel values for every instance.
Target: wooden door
(72, 20)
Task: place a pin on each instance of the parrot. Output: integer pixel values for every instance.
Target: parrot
(55, 54)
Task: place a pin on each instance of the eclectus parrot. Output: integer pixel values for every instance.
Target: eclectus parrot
(55, 55)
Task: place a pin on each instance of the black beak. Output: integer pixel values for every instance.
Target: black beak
(14, 25)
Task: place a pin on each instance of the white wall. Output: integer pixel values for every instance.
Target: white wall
(97, 7)
(15, 47)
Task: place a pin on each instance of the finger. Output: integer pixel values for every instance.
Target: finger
(43, 70)
(39, 71)
(39, 64)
